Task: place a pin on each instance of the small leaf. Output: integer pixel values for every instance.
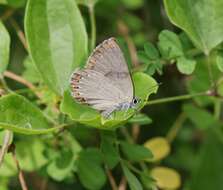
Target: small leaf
(26, 154)
(8, 167)
(200, 117)
(140, 119)
(166, 178)
(159, 147)
(91, 174)
(133, 182)
(61, 166)
(4, 48)
(219, 61)
(21, 116)
(170, 45)
(135, 152)
(186, 66)
(109, 149)
(143, 57)
(56, 29)
(151, 51)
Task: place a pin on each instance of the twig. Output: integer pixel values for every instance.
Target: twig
(123, 184)
(21, 175)
(93, 25)
(111, 179)
(6, 143)
(21, 80)
(19, 32)
(8, 13)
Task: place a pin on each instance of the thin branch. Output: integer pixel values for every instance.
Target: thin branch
(171, 135)
(123, 184)
(111, 179)
(21, 175)
(19, 32)
(6, 142)
(178, 98)
(21, 80)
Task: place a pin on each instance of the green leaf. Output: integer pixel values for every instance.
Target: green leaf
(135, 152)
(143, 57)
(90, 172)
(8, 167)
(208, 173)
(133, 182)
(219, 61)
(61, 166)
(31, 73)
(14, 3)
(21, 116)
(31, 157)
(132, 4)
(186, 66)
(200, 117)
(151, 51)
(170, 45)
(4, 48)
(57, 40)
(201, 19)
(109, 149)
(141, 119)
(88, 116)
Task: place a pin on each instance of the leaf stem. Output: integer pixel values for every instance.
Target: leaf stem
(217, 108)
(178, 98)
(93, 26)
(6, 143)
(4, 84)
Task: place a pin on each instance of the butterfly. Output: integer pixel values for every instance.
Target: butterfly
(105, 83)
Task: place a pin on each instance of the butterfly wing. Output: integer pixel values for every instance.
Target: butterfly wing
(93, 88)
(108, 59)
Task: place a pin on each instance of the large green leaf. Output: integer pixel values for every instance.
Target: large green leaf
(86, 115)
(4, 48)
(21, 116)
(208, 174)
(202, 20)
(57, 39)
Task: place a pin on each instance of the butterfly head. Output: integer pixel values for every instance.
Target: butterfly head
(135, 102)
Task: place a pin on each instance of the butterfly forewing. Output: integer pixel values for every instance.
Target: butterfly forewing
(108, 59)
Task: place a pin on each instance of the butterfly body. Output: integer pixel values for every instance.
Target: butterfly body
(105, 83)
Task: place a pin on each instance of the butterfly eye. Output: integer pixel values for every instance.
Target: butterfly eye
(135, 101)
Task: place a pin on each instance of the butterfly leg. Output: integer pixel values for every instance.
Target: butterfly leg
(107, 113)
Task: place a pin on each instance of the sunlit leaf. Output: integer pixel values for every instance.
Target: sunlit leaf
(202, 20)
(186, 66)
(21, 116)
(140, 119)
(56, 29)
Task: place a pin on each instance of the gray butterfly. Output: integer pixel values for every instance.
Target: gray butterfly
(105, 83)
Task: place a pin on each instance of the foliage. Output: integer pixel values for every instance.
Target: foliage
(50, 141)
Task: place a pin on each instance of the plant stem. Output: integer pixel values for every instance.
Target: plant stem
(210, 73)
(217, 109)
(175, 128)
(177, 98)
(93, 26)
(4, 84)
(6, 143)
